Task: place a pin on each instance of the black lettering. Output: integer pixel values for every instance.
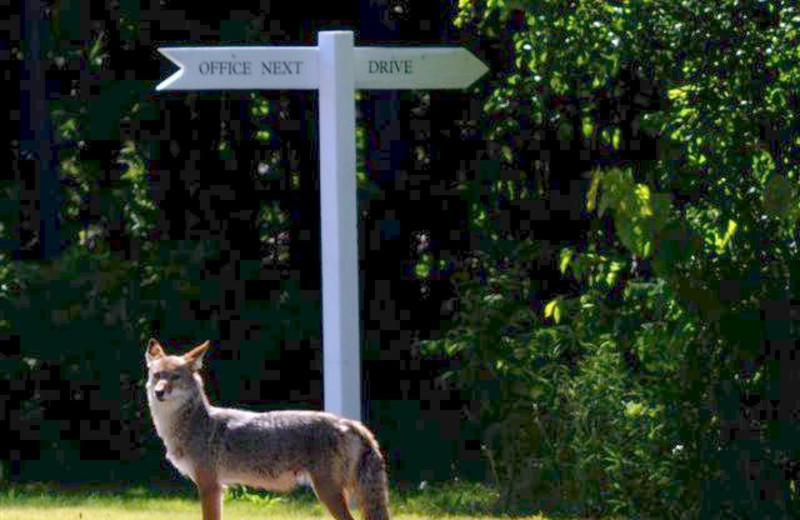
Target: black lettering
(240, 68)
(233, 68)
(280, 68)
(390, 67)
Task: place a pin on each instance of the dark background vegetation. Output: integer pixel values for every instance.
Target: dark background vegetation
(182, 250)
(577, 277)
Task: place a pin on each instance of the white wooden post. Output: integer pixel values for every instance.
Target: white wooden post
(336, 68)
(338, 211)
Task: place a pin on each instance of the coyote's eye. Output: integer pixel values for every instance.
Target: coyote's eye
(174, 377)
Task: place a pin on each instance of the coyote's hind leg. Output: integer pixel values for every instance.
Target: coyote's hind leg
(332, 496)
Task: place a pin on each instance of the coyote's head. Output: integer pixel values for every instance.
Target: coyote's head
(173, 379)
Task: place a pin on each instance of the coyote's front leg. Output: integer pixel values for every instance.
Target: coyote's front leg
(210, 496)
(211, 499)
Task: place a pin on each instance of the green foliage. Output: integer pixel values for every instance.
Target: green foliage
(139, 209)
(639, 214)
(568, 423)
(595, 395)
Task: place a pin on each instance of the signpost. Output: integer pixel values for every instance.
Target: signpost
(336, 68)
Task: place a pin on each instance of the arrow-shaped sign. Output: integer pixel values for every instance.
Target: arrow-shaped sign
(336, 68)
(246, 68)
(416, 68)
(267, 68)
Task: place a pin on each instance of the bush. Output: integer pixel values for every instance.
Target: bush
(583, 416)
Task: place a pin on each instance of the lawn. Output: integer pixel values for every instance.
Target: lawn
(461, 501)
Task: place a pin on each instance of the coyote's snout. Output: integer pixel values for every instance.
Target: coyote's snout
(219, 446)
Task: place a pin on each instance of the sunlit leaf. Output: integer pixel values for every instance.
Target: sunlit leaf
(566, 258)
(591, 197)
(549, 308)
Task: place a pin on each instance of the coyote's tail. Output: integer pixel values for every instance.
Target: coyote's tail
(371, 485)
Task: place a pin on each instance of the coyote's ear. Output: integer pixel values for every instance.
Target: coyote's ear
(154, 351)
(195, 356)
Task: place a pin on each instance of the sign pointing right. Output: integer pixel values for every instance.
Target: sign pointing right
(416, 68)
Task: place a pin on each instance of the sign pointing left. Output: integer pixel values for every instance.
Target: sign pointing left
(244, 68)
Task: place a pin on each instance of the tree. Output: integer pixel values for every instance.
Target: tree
(710, 210)
(38, 165)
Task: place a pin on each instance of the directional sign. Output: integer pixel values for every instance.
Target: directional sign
(247, 68)
(336, 68)
(416, 68)
(268, 68)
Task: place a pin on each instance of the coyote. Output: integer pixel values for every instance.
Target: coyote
(216, 446)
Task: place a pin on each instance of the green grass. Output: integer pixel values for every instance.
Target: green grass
(43, 502)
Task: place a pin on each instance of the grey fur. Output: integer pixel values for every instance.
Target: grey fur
(217, 446)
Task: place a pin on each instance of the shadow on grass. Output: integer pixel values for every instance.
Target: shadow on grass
(441, 499)
(42, 493)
